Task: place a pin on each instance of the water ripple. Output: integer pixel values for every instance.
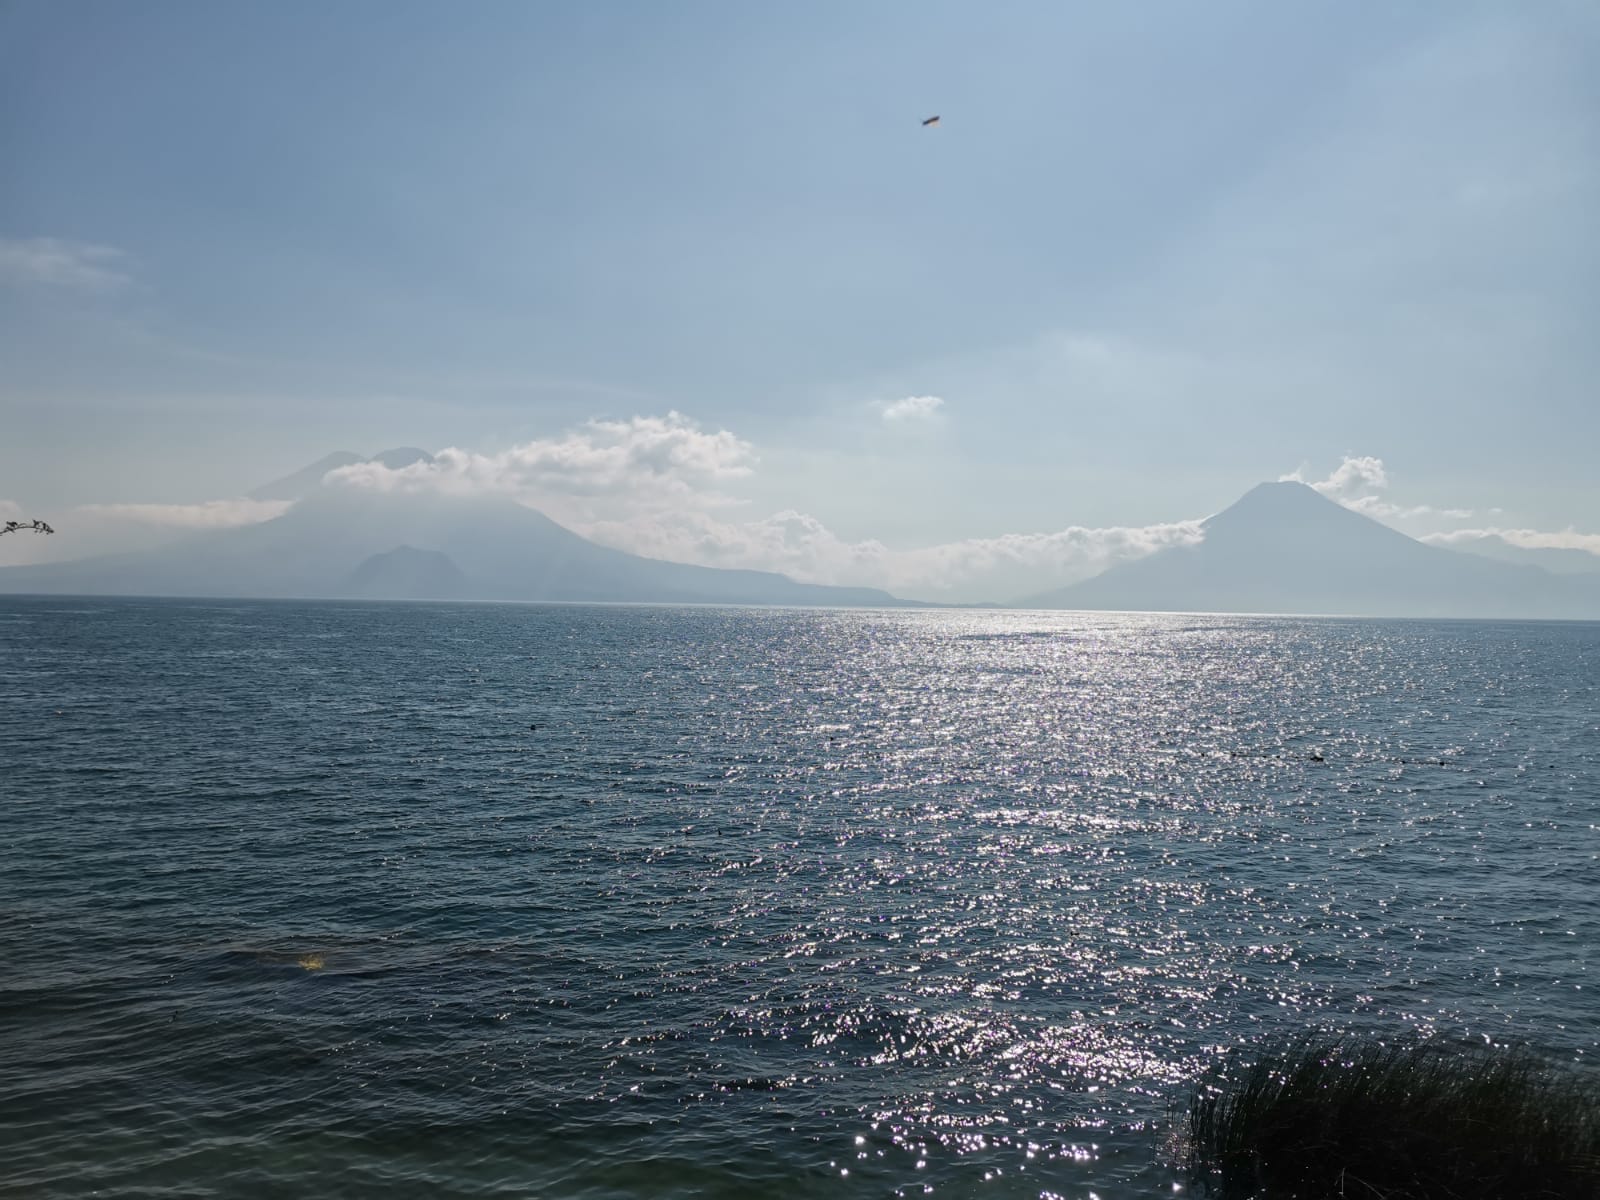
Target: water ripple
(567, 901)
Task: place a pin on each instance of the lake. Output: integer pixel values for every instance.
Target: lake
(584, 901)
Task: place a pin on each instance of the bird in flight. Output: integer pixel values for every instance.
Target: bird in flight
(931, 121)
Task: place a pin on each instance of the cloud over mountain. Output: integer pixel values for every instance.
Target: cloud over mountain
(1358, 483)
(801, 546)
(641, 457)
(1352, 477)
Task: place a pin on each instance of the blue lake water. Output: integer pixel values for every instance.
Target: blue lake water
(451, 900)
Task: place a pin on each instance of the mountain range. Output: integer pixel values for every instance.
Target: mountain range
(1282, 547)
(345, 541)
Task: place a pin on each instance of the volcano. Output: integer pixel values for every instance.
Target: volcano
(1285, 548)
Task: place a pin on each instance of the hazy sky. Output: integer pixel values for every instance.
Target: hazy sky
(695, 278)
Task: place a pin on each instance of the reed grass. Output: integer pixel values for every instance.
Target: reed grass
(1325, 1117)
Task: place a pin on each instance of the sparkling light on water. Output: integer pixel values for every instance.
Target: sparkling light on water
(564, 901)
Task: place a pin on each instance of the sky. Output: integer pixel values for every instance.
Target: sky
(696, 280)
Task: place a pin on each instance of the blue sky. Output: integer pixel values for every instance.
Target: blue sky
(1151, 255)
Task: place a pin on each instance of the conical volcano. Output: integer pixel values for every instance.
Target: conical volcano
(1285, 548)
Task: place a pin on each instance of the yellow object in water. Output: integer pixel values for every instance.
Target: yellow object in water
(311, 962)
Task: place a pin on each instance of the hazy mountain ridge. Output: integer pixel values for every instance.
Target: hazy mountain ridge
(1282, 547)
(339, 541)
(1555, 559)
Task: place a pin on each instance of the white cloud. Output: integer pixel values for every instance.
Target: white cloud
(1376, 506)
(637, 460)
(1528, 539)
(1356, 483)
(802, 547)
(1350, 477)
(208, 514)
(913, 408)
(56, 262)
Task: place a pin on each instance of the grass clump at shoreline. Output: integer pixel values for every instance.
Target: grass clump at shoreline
(1325, 1117)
